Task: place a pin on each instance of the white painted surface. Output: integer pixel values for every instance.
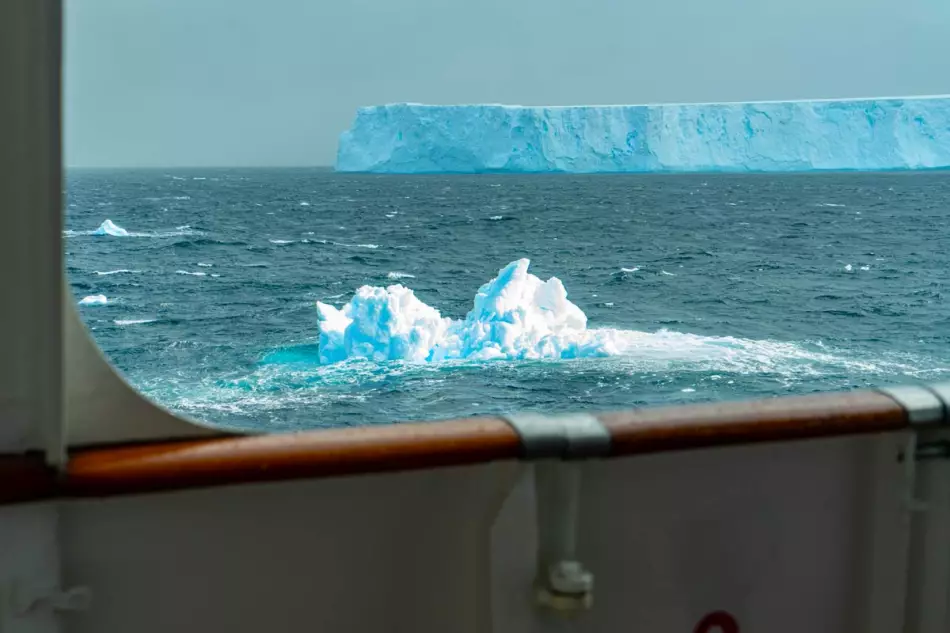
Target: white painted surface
(769, 533)
(401, 552)
(883, 533)
(31, 270)
(29, 566)
(929, 584)
(802, 536)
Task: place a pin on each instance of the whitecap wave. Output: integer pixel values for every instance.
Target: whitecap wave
(398, 275)
(188, 272)
(348, 245)
(133, 321)
(94, 300)
(110, 229)
(116, 272)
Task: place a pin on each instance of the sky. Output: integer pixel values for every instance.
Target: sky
(165, 83)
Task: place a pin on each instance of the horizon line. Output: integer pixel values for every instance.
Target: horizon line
(68, 167)
(660, 103)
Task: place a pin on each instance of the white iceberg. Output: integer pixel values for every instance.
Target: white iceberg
(849, 134)
(110, 228)
(94, 300)
(515, 316)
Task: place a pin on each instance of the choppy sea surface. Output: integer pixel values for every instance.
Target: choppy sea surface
(739, 285)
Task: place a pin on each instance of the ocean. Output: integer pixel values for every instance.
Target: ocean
(723, 286)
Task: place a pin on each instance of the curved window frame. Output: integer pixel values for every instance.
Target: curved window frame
(66, 400)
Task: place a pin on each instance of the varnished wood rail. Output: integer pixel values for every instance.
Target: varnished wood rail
(175, 465)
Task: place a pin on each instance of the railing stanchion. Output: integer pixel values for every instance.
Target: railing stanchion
(556, 444)
(929, 590)
(562, 582)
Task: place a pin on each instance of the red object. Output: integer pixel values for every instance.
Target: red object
(717, 619)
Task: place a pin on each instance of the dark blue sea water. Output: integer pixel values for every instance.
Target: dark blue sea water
(743, 285)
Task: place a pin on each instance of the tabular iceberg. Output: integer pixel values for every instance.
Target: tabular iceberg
(858, 134)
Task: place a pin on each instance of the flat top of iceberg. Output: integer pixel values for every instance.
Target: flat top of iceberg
(514, 106)
(865, 134)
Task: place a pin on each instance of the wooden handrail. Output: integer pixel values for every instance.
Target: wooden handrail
(745, 422)
(174, 465)
(207, 462)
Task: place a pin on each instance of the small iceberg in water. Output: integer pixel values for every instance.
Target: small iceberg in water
(94, 300)
(515, 316)
(110, 228)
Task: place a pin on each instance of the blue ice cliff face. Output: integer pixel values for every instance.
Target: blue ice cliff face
(866, 134)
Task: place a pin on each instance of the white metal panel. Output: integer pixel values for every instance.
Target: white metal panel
(883, 537)
(30, 243)
(29, 567)
(771, 534)
(404, 552)
(928, 609)
(800, 536)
